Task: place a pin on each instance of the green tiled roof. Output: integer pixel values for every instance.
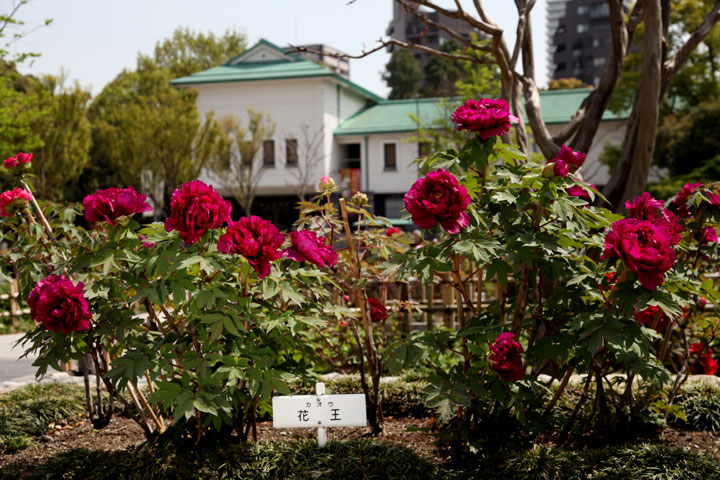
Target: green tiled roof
(390, 116)
(293, 67)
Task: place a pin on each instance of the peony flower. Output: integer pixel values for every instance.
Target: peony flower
(195, 208)
(682, 197)
(645, 207)
(647, 318)
(487, 117)
(704, 359)
(327, 184)
(13, 201)
(257, 240)
(701, 303)
(114, 203)
(506, 357)
(574, 159)
(438, 198)
(560, 169)
(578, 191)
(306, 245)
(59, 305)
(392, 231)
(708, 235)
(643, 247)
(378, 311)
(21, 159)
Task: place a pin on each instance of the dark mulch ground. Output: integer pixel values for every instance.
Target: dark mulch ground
(123, 432)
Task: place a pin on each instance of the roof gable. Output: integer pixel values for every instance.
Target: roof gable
(263, 51)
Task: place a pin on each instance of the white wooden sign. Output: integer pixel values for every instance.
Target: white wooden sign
(319, 411)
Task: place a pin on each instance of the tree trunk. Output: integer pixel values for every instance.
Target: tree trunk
(630, 176)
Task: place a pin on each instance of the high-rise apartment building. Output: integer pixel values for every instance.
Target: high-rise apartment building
(578, 38)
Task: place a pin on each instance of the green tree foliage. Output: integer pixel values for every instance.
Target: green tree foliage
(442, 73)
(65, 133)
(402, 75)
(685, 142)
(707, 173)
(150, 133)
(238, 166)
(188, 51)
(20, 108)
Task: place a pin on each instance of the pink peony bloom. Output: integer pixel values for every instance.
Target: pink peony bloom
(705, 363)
(257, 240)
(708, 235)
(506, 357)
(574, 159)
(326, 183)
(14, 200)
(487, 117)
(378, 311)
(682, 197)
(645, 207)
(647, 318)
(438, 198)
(560, 168)
(644, 248)
(306, 245)
(580, 192)
(195, 208)
(21, 159)
(59, 305)
(113, 203)
(392, 231)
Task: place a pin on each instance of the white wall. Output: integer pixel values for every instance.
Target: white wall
(289, 102)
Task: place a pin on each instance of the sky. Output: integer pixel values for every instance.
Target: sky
(91, 41)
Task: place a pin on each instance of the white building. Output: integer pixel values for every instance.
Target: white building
(328, 125)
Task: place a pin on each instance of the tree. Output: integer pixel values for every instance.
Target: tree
(310, 158)
(441, 74)
(238, 167)
(65, 134)
(188, 51)
(570, 83)
(402, 75)
(150, 133)
(659, 66)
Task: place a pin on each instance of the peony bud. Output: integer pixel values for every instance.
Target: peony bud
(359, 199)
(327, 184)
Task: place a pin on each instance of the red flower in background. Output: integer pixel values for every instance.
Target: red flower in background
(306, 245)
(257, 240)
(59, 305)
(647, 318)
(19, 160)
(14, 200)
(704, 362)
(506, 357)
(392, 231)
(438, 198)
(378, 311)
(487, 117)
(113, 203)
(195, 208)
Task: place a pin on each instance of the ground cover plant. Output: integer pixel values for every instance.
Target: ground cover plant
(218, 315)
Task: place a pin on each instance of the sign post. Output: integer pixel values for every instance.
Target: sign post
(319, 411)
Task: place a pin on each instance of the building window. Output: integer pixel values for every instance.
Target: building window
(582, 9)
(600, 10)
(560, 30)
(582, 27)
(291, 152)
(390, 156)
(598, 61)
(560, 48)
(560, 67)
(597, 42)
(269, 153)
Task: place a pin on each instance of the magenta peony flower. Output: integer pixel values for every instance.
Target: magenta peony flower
(560, 168)
(644, 248)
(645, 207)
(682, 197)
(438, 198)
(114, 203)
(257, 240)
(21, 159)
(306, 245)
(59, 305)
(14, 200)
(506, 357)
(647, 318)
(392, 231)
(487, 117)
(574, 159)
(580, 192)
(378, 311)
(195, 208)
(708, 234)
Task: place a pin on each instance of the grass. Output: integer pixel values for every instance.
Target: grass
(26, 412)
(701, 405)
